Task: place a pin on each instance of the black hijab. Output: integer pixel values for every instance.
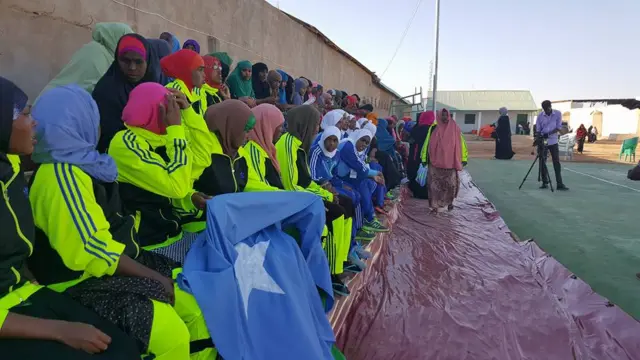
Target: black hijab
(302, 122)
(260, 88)
(289, 89)
(12, 101)
(162, 49)
(112, 92)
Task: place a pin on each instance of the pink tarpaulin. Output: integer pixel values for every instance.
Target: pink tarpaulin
(457, 286)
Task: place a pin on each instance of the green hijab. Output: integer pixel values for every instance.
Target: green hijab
(238, 86)
(223, 57)
(92, 60)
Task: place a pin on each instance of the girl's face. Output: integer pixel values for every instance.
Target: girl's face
(331, 143)
(342, 124)
(275, 84)
(302, 91)
(132, 65)
(277, 133)
(246, 73)
(362, 143)
(190, 47)
(197, 77)
(22, 137)
(283, 84)
(444, 116)
(215, 72)
(352, 124)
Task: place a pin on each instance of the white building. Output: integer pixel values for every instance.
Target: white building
(612, 120)
(475, 108)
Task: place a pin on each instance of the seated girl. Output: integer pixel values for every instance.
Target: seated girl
(291, 150)
(213, 90)
(368, 157)
(187, 68)
(36, 322)
(229, 122)
(87, 244)
(264, 174)
(338, 118)
(323, 163)
(355, 172)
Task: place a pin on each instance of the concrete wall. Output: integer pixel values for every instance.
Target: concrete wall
(487, 117)
(37, 38)
(616, 120)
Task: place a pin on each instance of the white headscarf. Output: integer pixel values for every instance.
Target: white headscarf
(359, 134)
(371, 128)
(332, 118)
(329, 131)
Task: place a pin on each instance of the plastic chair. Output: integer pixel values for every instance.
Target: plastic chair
(628, 149)
(566, 143)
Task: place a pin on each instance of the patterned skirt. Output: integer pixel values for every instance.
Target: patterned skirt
(126, 301)
(443, 185)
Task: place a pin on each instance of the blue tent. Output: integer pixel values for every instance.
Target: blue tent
(256, 285)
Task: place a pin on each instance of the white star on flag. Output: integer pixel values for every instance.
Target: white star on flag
(250, 271)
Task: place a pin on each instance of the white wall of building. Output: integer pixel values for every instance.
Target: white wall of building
(616, 119)
(487, 117)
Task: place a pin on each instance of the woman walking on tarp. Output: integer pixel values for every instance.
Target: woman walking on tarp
(445, 151)
(504, 151)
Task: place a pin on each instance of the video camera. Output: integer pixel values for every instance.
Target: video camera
(540, 139)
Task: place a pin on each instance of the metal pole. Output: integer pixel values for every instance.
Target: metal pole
(435, 63)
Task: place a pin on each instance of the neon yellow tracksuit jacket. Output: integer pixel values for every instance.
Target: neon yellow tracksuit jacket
(201, 140)
(262, 174)
(424, 152)
(293, 163)
(65, 210)
(154, 172)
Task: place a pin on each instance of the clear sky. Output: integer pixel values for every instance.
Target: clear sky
(558, 49)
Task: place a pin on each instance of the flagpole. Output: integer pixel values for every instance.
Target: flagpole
(435, 63)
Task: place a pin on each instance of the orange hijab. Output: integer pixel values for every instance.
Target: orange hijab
(373, 117)
(268, 118)
(445, 146)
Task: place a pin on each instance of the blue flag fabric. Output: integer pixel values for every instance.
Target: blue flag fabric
(255, 284)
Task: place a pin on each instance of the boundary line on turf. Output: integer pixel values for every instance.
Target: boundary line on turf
(603, 180)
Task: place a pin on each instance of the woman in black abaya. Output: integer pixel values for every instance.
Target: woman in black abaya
(504, 151)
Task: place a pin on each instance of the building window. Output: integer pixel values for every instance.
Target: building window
(469, 119)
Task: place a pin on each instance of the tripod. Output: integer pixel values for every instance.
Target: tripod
(542, 169)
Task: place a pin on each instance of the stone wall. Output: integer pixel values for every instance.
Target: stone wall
(37, 37)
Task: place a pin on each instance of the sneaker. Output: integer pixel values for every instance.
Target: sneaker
(375, 226)
(365, 235)
(544, 186)
(339, 287)
(389, 195)
(361, 252)
(353, 268)
(562, 187)
(354, 260)
(404, 181)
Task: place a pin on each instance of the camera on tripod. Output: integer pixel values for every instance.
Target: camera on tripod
(540, 141)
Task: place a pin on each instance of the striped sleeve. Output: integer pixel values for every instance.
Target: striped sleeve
(146, 169)
(256, 179)
(314, 162)
(65, 209)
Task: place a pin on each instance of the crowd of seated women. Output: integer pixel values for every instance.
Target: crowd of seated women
(126, 146)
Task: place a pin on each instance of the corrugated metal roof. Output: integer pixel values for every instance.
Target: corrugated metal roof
(484, 100)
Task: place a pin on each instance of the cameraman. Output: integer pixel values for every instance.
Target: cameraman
(548, 124)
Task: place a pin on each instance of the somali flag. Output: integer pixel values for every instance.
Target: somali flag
(256, 285)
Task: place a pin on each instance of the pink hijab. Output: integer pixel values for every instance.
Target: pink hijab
(426, 118)
(268, 118)
(142, 107)
(445, 147)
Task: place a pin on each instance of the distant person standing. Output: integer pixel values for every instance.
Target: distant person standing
(548, 124)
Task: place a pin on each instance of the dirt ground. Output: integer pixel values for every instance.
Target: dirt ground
(603, 151)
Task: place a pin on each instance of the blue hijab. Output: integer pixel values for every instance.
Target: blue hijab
(282, 93)
(386, 142)
(67, 132)
(175, 43)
